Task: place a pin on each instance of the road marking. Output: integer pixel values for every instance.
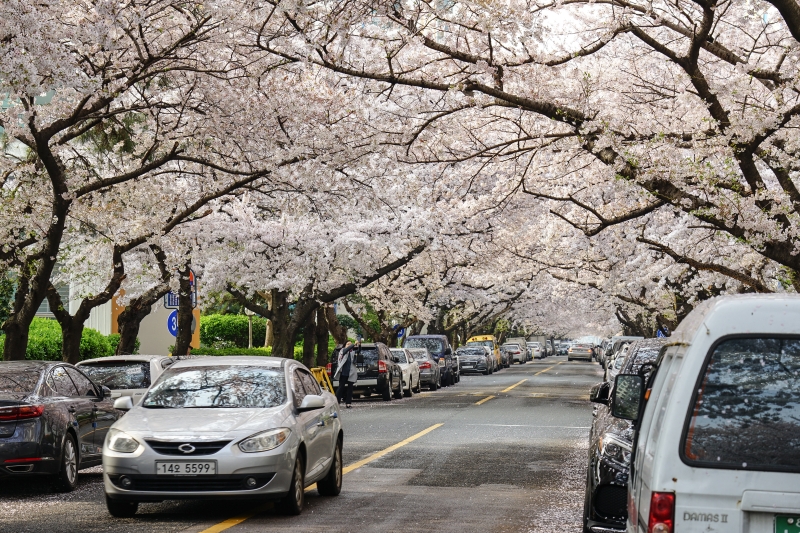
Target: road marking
(529, 426)
(229, 523)
(378, 455)
(548, 368)
(514, 385)
(484, 400)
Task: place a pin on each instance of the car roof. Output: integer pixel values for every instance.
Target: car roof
(136, 357)
(28, 365)
(227, 360)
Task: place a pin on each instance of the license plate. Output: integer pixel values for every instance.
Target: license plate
(466, 365)
(186, 468)
(787, 523)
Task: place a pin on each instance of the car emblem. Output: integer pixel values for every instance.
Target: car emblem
(186, 448)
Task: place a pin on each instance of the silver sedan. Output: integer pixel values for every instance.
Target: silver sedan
(227, 427)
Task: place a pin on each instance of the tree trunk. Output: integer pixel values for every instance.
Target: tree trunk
(269, 337)
(129, 320)
(184, 339)
(18, 324)
(322, 338)
(309, 339)
(338, 331)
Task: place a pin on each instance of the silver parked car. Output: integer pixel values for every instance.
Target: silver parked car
(229, 427)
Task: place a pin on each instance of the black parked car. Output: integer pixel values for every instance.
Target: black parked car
(378, 373)
(610, 444)
(439, 347)
(53, 421)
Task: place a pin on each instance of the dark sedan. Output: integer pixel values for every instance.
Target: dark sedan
(474, 360)
(53, 421)
(610, 444)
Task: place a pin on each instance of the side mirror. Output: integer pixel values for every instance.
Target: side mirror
(311, 402)
(105, 392)
(599, 393)
(123, 403)
(627, 396)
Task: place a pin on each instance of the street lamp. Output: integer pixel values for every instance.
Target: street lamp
(249, 314)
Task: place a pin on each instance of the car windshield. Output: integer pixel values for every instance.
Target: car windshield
(747, 409)
(118, 375)
(218, 386)
(488, 344)
(433, 345)
(13, 380)
(400, 355)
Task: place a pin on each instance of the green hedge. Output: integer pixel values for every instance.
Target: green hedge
(298, 351)
(44, 342)
(230, 331)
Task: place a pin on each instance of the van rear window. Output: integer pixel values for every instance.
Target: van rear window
(746, 412)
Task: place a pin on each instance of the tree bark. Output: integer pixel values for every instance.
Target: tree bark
(184, 339)
(130, 319)
(309, 339)
(322, 338)
(338, 331)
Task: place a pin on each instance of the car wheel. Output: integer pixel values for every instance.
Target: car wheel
(292, 503)
(485, 372)
(386, 394)
(331, 484)
(419, 387)
(398, 394)
(120, 509)
(587, 506)
(68, 474)
(522, 362)
(408, 393)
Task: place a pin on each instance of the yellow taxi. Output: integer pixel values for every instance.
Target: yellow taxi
(490, 342)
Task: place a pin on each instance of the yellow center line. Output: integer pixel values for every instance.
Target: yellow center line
(548, 368)
(484, 400)
(514, 385)
(229, 523)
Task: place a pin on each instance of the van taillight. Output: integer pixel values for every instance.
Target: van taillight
(662, 512)
(329, 367)
(20, 412)
(381, 367)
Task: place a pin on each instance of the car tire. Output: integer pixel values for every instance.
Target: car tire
(292, 503)
(331, 484)
(121, 509)
(419, 387)
(398, 394)
(67, 478)
(408, 393)
(432, 386)
(485, 372)
(386, 394)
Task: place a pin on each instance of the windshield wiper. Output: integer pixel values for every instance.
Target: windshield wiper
(158, 407)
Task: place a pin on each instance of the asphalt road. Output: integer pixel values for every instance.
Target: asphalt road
(515, 462)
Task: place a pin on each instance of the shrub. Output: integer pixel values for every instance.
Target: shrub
(298, 351)
(225, 331)
(44, 342)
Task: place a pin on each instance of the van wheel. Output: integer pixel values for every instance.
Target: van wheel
(120, 509)
(292, 503)
(331, 484)
(67, 478)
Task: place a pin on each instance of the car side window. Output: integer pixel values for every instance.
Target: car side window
(297, 388)
(61, 383)
(82, 383)
(309, 383)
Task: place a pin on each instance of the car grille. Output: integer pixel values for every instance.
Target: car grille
(200, 448)
(612, 500)
(193, 484)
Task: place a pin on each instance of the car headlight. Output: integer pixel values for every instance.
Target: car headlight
(264, 441)
(119, 441)
(615, 448)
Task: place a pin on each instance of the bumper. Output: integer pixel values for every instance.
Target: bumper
(272, 472)
(480, 367)
(25, 443)
(363, 385)
(426, 378)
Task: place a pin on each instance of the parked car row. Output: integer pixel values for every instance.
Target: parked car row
(196, 428)
(698, 431)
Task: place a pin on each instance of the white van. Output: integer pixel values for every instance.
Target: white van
(718, 441)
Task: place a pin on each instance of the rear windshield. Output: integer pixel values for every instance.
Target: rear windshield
(118, 375)
(419, 355)
(218, 386)
(370, 355)
(16, 381)
(433, 345)
(488, 344)
(746, 411)
(401, 356)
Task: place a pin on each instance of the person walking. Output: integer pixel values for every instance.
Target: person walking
(346, 374)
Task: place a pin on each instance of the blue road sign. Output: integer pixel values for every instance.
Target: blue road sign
(172, 323)
(401, 332)
(660, 334)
